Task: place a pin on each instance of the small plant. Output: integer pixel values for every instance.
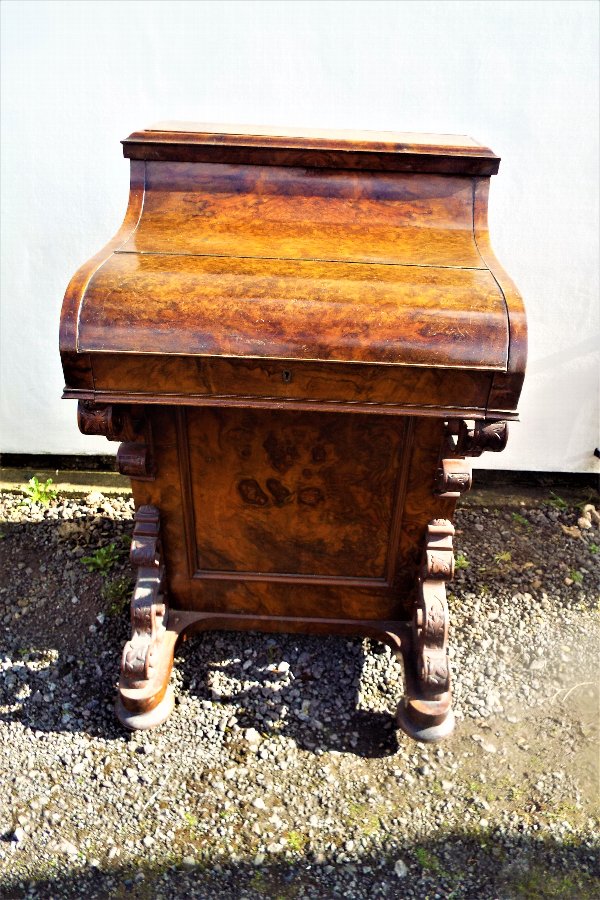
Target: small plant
(191, 819)
(427, 860)
(518, 519)
(258, 882)
(296, 841)
(38, 493)
(103, 559)
(116, 594)
(461, 561)
(576, 576)
(504, 557)
(557, 502)
(594, 548)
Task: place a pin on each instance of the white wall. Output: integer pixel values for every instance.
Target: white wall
(521, 77)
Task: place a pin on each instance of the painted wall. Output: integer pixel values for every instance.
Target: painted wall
(520, 77)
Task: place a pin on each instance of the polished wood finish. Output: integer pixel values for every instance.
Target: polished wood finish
(318, 148)
(299, 340)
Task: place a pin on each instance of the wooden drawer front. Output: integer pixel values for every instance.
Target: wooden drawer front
(200, 377)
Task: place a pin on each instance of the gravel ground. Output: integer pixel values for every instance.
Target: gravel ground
(280, 773)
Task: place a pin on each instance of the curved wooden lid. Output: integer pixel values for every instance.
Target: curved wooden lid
(288, 263)
(295, 309)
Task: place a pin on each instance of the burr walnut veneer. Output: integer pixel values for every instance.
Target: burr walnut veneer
(299, 339)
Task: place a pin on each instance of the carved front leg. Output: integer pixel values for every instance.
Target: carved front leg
(426, 712)
(145, 699)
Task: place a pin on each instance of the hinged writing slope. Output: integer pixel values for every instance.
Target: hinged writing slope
(299, 340)
(289, 309)
(313, 264)
(375, 253)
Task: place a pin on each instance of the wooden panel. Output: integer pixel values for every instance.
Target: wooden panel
(388, 151)
(295, 310)
(331, 599)
(269, 212)
(293, 493)
(200, 378)
(303, 596)
(332, 138)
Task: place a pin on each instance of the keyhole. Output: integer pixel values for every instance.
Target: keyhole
(286, 376)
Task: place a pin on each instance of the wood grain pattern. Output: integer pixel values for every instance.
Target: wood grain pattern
(295, 310)
(293, 493)
(269, 212)
(195, 379)
(381, 151)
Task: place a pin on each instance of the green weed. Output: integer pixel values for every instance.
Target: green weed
(576, 576)
(556, 501)
(116, 594)
(518, 519)
(504, 557)
(37, 493)
(461, 561)
(538, 884)
(429, 861)
(296, 841)
(103, 559)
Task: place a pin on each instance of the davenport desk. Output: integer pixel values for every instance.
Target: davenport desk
(299, 340)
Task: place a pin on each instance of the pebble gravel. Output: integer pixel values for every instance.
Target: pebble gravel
(281, 773)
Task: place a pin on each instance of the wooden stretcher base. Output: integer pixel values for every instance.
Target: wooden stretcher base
(145, 699)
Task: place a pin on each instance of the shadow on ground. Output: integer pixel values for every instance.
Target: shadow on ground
(482, 864)
(66, 662)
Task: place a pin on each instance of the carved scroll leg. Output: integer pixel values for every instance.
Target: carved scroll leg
(145, 698)
(426, 712)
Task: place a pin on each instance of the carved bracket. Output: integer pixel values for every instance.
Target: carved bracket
(121, 423)
(482, 437)
(149, 608)
(430, 622)
(461, 440)
(101, 418)
(454, 478)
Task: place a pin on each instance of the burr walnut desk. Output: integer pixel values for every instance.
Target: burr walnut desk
(299, 340)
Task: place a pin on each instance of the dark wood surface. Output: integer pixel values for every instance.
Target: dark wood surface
(290, 336)
(317, 148)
